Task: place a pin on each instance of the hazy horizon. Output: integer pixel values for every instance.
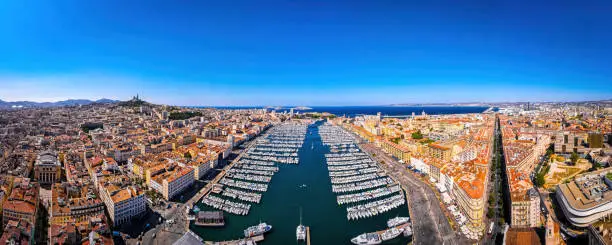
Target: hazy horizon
(465, 103)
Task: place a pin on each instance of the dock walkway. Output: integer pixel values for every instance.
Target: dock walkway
(253, 240)
(198, 196)
(307, 235)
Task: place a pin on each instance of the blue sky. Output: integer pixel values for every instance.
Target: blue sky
(306, 52)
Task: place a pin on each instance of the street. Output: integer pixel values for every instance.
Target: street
(430, 226)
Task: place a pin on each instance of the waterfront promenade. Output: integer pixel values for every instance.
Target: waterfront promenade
(202, 192)
(430, 225)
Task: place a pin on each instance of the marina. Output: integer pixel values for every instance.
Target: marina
(296, 185)
(367, 195)
(255, 169)
(354, 173)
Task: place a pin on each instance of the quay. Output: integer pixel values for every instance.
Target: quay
(430, 225)
(307, 235)
(250, 240)
(193, 201)
(413, 240)
(210, 218)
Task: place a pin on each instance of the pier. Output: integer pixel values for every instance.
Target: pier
(248, 177)
(209, 186)
(354, 172)
(250, 240)
(307, 235)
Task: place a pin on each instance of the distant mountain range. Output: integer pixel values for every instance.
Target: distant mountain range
(31, 104)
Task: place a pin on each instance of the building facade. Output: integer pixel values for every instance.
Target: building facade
(47, 168)
(525, 209)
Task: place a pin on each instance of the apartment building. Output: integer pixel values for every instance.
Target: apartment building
(19, 212)
(123, 201)
(439, 152)
(173, 182)
(22, 203)
(570, 141)
(399, 151)
(73, 203)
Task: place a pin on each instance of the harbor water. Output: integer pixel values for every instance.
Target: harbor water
(306, 185)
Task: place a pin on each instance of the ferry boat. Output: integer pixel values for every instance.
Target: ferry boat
(397, 221)
(257, 230)
(391, 233)
(367, 239)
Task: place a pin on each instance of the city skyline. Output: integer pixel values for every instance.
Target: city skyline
(278, 53)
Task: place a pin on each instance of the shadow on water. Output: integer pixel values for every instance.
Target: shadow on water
(306, 185)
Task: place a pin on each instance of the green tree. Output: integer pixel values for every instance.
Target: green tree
(184, 115)
(574, 157)
(417, 135)
(609, 176)
(396, 140)
(187, 155)
(549, 151)
(540, 181)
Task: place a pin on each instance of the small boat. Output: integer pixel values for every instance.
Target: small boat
(257, 230)
(300, 231)
(397, 221)
(303, 186)
(367, 239)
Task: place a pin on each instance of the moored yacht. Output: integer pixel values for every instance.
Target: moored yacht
(391, 233)
(257, 230)
(367, 239)
(397, 221)
(300, 232)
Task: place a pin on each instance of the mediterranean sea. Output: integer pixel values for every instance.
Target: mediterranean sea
(352, 111)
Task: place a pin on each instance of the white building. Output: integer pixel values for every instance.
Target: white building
(419, 165)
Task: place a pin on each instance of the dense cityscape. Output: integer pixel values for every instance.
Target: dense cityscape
(133, 172)
(278, 122)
